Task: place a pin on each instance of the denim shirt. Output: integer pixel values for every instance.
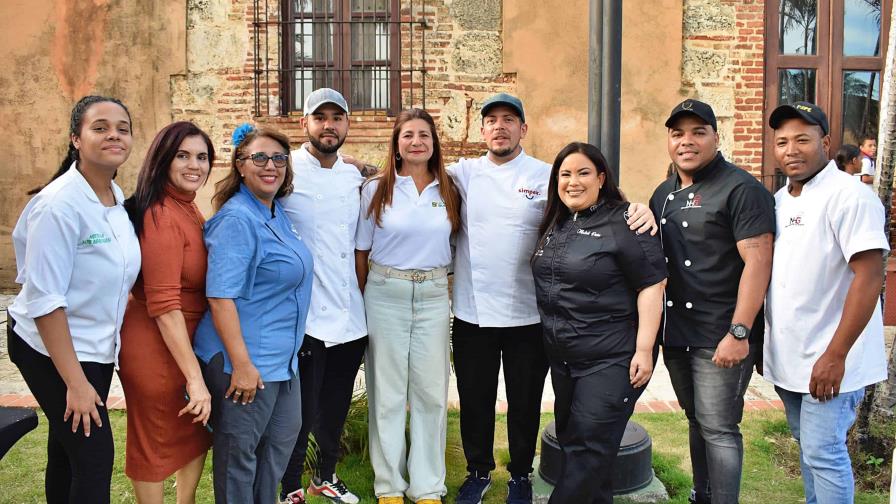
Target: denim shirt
(258, 261)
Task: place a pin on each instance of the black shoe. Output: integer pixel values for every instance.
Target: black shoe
(473, 489)
(519, 490)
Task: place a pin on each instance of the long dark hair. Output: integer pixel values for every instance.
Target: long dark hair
(436, 166)
(74, 128)
(555, 211)
(229, 185)
(154, 174)
(847, 153)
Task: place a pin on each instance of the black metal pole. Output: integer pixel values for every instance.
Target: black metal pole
(605, 78)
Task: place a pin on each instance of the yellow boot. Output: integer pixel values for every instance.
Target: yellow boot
(429, 501)
(390, 500)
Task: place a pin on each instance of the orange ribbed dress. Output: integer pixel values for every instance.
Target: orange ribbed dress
(172, 277)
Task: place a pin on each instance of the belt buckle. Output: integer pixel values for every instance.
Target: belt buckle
(418, 276)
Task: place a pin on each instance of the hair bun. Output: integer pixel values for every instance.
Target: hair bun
(239, 134)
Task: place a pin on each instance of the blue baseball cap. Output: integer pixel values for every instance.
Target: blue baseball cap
(504, 99)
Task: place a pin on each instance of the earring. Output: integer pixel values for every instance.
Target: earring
(398, 157)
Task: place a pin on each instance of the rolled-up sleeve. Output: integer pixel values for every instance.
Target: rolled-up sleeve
(53, 235)
(858, 224)
(232, 245)
(640, 256)
(162, 246)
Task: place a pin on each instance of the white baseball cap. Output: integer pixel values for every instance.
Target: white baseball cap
(323, 96)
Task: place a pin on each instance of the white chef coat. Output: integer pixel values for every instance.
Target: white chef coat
(414, 231)
(503, 205)
(324, 208)
(73, 252)
(834, 218)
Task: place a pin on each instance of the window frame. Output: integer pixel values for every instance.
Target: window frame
(829, 64)
(342, 65)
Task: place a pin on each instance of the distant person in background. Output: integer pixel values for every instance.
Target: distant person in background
(849, 159)
(166, 429)
(77, 258)
(869, 158)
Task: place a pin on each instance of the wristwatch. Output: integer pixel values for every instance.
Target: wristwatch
(739, 331)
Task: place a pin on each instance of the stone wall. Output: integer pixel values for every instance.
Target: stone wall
(722, 64)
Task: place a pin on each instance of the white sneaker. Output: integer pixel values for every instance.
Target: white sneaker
(334, 490)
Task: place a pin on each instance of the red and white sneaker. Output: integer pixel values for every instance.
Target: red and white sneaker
(297, 497)
(334, 490)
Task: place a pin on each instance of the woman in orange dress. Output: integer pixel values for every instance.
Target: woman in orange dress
(168, 403)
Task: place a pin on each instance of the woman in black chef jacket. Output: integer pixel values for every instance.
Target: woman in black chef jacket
(599, 287)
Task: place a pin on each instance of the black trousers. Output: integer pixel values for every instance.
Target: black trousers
(591, 413)
(478, 354)
(327, 376)
(79, 468)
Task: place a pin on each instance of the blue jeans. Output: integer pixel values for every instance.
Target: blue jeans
(713, 401)
(820, 429)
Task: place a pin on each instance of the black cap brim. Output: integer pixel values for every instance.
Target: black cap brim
(789, 111)
(674, 117)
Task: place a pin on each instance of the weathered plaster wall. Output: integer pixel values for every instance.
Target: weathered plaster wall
(546, 46)
(651, 87)
(56, 51)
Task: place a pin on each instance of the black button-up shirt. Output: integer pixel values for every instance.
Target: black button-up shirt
(587, 276)
(700, 226)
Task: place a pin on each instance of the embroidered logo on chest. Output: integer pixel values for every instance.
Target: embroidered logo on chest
(592, 234)
(94, 239)
(693, 201)
(438, 204)
(795, 220)
(529, 193)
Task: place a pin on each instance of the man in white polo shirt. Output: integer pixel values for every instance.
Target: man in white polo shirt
(324, 208)
(495, 315)
(824, 338)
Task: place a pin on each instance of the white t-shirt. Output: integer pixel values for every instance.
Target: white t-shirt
(73, 252)
(414, 231)
(867, 166)
(324, 209)
(503, 205)
(833, 219)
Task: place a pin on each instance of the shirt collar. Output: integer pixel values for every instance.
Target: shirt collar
(707, 171)
(88, 191)
(306, 156)
(816, 181)
(407, 179)
(256, 204)
(182, 196)
(519, 159)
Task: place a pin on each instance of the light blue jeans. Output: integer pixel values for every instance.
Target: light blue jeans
(820, 428)
(407, 365)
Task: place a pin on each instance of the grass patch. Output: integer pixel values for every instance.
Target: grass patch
(771, 465)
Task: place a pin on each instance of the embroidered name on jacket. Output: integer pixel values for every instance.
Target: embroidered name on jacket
(529, 193)
(693, 201)
(94, 239)
(592, 234)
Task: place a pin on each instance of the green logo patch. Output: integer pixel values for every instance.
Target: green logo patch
(94, 239)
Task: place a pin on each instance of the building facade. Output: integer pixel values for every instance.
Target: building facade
(223, 62)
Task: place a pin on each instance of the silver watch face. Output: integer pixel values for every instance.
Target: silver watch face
(739, 331)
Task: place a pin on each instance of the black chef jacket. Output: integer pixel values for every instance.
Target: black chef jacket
(700, 226)
(587, 276)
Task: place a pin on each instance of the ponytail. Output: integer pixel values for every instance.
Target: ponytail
(75, 121)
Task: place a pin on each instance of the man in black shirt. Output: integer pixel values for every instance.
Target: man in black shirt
(717, 224)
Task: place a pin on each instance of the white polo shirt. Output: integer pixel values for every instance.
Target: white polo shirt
(414, 231)
(503, 205)
(74, 253)
(867, 166)
(324, 209)
(833, 219)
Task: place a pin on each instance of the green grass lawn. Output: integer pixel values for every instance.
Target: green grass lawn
(771, 470)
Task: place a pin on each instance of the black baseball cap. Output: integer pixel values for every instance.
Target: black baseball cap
(507, 100)
(693, 107)
(809, 112)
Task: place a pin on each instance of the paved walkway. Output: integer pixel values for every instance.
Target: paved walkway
(658, 397)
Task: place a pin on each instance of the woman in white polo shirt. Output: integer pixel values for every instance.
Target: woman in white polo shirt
(77, 258)
(408, 215)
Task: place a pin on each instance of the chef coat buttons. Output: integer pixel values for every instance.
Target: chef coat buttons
(669, 303)
(687, 262)
(688, 305)
(684, 223)
(663, 220)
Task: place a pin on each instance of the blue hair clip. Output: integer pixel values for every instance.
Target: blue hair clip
(239, 134)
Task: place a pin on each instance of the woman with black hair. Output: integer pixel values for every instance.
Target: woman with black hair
(77, 258)
(849, 159)
(599, 288)
(166, 432)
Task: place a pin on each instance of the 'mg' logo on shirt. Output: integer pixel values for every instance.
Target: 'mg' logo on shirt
(94, 239)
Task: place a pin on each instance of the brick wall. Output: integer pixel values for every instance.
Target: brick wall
(723, 64)
(218, 91)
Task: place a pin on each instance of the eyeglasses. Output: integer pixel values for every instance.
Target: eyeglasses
(260, 159)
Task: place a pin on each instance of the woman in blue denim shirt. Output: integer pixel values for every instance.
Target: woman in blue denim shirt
(259, 286)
